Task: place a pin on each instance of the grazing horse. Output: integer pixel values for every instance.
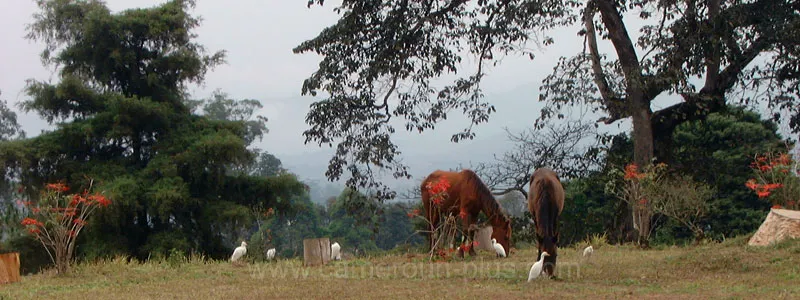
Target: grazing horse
(545, 203)
(466, 196)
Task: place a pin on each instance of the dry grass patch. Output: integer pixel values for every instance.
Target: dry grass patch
(726, 270)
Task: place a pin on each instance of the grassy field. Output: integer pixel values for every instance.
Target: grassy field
(714, 271)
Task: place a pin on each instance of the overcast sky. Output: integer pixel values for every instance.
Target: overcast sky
(259, 36)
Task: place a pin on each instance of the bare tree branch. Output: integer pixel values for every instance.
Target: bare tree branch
(563, 147)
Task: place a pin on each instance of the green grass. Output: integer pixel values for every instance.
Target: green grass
(728, 270)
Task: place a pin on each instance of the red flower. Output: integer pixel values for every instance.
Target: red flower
(58, 187)
(439, 187)
(29, 221)
(77, 199)
(463, 214)
(413, 213)
(100, 199)
(777, 206)
(751, 184)
(632, 172)
(79, 222)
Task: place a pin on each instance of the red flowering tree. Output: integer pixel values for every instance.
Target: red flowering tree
(57, 219)
(776, 180)
(633, 190)
(446, 230)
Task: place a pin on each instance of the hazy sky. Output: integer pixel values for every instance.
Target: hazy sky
(259, 36)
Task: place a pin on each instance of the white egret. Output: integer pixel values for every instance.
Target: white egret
(588, 252)
(239, 252)
(498, 248)
(336, 253)
(536, 269)
(270, 253)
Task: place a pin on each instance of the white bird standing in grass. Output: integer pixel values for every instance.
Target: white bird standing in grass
(336, 253)
(588, 252)
(498, 248)
(239, 252)
(270, 254)
(536, 269)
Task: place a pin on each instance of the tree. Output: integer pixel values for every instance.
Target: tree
(385, 50)
(718, 151)
(565, 148)
(285, 230)
(122, 118)
(683, 200)
(10, 215)
(354, 219)
(9, 127)
(221, 107)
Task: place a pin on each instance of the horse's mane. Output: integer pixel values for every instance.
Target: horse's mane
(484, 194)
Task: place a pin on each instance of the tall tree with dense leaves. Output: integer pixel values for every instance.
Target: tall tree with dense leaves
(10, 215)
(381, 60)
(122, 119)
(221, 107)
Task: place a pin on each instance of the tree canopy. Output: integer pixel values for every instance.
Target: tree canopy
(381, 60)
(123, 119)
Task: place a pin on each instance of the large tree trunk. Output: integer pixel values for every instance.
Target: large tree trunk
(642, 157)
(638, 105)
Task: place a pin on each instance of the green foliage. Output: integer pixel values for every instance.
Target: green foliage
(718, 151)
(400, 50)
(9, 127)
(589, 210)
(396, 227)
(122, 117)
(681, 199)
(10, 214)
(33, 257)
(285, 232)
(412, 45)
(354, 220)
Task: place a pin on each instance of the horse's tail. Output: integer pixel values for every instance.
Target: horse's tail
(545, 218)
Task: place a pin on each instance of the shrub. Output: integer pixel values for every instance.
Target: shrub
(776, 180)
(57, 219)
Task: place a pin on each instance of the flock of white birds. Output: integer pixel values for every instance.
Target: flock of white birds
(239, 252)
(336, 254)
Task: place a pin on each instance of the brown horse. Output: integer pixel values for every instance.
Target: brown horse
(467, 193)
(545, 203)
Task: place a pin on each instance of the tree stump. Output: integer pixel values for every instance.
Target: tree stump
(316, 252)
(484, 238)
(9, 267)
(779, 225)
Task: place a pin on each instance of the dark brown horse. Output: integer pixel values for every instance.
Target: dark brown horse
(467, 193)
(545, 203)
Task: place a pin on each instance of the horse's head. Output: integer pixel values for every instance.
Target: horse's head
(548, 244)
(501, 231)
